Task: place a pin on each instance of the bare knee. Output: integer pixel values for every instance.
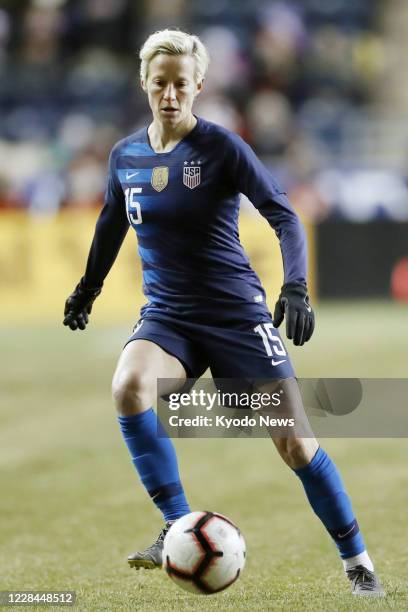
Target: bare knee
(296, 452)
(132, 391)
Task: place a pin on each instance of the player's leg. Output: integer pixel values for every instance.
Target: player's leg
(327, 495)
(142, 362)
(134, 390)
(255, 353)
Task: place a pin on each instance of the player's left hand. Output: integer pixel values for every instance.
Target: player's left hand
(293, 304)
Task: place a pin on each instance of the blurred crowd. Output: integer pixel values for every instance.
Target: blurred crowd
(298, 79)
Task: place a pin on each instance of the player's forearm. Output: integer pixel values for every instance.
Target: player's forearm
(253, 179)
(294, 253)
(292, 238)
(110, 231)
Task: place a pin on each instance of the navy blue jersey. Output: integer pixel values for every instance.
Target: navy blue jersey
(184, 207)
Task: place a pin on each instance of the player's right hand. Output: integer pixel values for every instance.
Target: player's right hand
(79, 305)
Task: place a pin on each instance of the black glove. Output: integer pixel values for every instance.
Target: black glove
(79, 305)
(293, 304)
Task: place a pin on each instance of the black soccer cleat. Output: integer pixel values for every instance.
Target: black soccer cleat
(152, 557)
(364, 582)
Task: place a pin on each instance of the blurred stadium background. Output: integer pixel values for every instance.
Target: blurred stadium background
(316, 87)
(320, 91)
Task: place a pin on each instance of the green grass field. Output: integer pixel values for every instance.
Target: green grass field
(72, 509)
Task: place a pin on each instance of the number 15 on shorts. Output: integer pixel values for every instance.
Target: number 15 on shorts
(272, 343)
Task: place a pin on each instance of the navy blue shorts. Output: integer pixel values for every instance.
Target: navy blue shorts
(237, 351)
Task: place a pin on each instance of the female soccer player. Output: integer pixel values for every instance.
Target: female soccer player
(177, 183)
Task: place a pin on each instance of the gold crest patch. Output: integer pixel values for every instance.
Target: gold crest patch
(160, 178)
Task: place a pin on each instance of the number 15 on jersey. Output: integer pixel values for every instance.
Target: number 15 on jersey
(133, 210)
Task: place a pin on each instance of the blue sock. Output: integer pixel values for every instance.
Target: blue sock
(328, 498)
(155, 460)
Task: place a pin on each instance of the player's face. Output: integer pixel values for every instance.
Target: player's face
(171, 88)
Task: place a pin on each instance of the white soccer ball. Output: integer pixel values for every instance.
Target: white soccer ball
(204, 552)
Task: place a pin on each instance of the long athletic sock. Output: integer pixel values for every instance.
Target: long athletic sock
(155, 460)
(328, 498)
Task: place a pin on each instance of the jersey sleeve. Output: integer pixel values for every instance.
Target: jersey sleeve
(110, 231)
(252, 179)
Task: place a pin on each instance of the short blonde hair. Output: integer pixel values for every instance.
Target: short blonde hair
(174, 42)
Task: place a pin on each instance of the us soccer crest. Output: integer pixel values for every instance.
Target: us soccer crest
(160, 178)
(191, 176)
